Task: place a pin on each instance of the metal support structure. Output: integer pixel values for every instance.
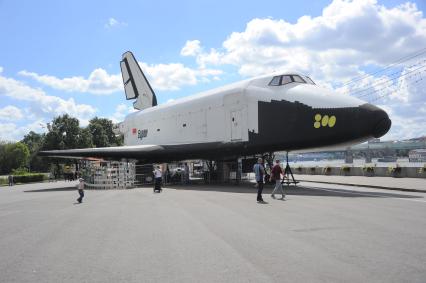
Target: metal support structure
(288, 173)
(108, 174)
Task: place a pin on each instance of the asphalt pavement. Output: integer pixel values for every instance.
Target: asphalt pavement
(388, 183)
(319, 233)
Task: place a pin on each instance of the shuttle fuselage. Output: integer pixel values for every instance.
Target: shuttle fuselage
(277, 112)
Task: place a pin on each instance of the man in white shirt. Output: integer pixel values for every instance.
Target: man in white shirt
(80, 188)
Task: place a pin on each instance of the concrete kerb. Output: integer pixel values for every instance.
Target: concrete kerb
(368, 186)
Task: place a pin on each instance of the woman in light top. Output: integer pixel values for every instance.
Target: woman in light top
(157, 179)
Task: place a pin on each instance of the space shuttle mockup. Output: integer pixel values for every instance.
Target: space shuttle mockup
(283, 111)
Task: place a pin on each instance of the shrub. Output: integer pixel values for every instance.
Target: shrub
(29, 177)
(345, 168)
(394, 169)
(369, 169)
(19, 171)
(326, 170)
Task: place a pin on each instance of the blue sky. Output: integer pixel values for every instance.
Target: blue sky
(63, 56)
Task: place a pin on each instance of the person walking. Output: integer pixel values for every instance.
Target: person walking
(186, 167)
(80, 188)
(10, 178)
(259, 171)
(157, 179)
(167, 175)
(276, 175)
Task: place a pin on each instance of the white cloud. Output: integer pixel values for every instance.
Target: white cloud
(173, 76)
(99, 82)
(10, 113)
(191, 48)
(334, 45)
(12, 132)
(347, 38)
(8, 132)
(121, 111)
(170, 76)
(41, 103)
(114, 23)
(1, 69)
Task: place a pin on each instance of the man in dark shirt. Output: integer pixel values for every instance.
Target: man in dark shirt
(276, 175)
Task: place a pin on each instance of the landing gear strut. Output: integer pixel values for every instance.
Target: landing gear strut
(287, 173)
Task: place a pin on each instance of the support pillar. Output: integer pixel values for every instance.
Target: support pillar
(349, 157)
(239, 171)
(368, 158)
(223, 170)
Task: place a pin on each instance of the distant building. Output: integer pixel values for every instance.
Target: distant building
(374, 141)
(420, 139)
(417, 155)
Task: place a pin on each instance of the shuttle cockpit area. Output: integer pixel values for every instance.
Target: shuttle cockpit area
(287, 79)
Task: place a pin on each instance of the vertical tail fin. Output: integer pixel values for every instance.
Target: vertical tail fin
(136, 86)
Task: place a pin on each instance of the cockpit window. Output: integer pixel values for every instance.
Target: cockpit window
(275, 81)
(286, 79)
(298, 79)
(308, 80)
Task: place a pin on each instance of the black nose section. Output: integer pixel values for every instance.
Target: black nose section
(379, 119)
(382, 127)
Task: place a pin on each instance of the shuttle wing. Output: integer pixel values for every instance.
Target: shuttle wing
(115, 152)
(144, 153)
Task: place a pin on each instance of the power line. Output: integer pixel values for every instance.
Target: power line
(389, 80)
(390, 76)
(403, 59)
(386, 94)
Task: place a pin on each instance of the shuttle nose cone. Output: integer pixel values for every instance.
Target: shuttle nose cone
(382, 127)
(380, 121)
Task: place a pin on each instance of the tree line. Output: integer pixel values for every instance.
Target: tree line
(64, 132)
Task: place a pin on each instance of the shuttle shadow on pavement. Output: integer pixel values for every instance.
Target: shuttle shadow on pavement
(292, 190)
(59, 189)
(249, 188)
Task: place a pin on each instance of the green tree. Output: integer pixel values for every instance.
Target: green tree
(103, 134)
(13, 156)
(99, 135)
(85, 138)
(65, 133)
(33, 140)
(2, 157)
(34, 143)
